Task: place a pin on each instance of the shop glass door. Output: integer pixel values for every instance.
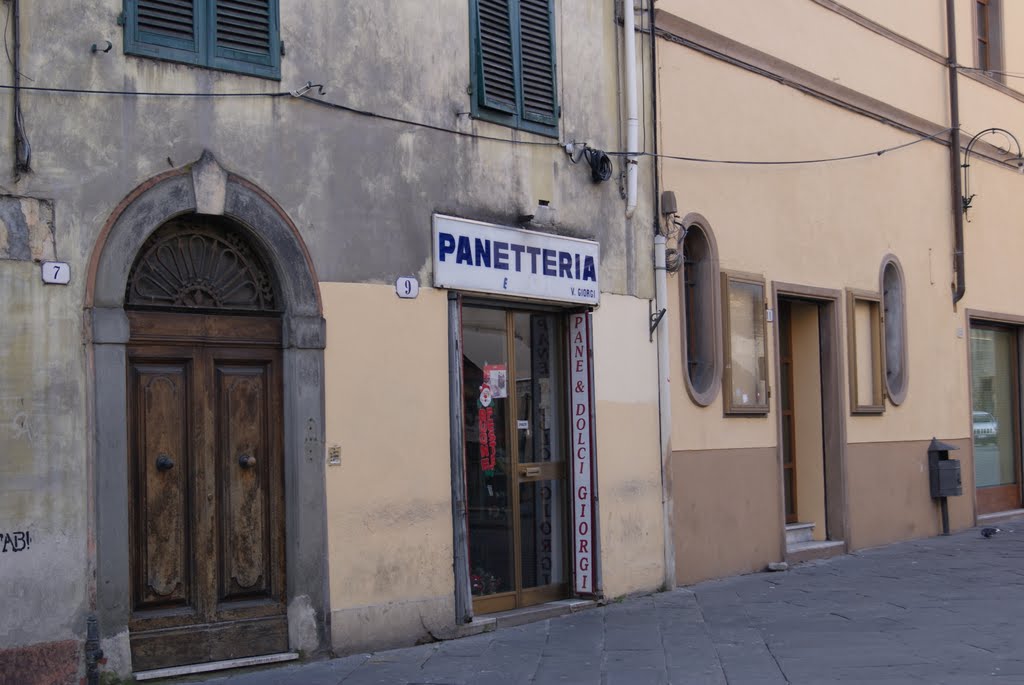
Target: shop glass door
(514, 396)
(994, 394)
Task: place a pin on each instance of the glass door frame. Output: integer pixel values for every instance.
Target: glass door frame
(527, 472)
(997, 498)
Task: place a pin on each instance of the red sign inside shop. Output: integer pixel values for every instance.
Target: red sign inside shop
(485, 431)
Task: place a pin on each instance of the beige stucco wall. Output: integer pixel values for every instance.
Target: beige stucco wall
(389, 501)
(922, 21)
(829, 226)
(810, 459)
(891, 500)
(806, 34)
(727, 512)
(389, 510)
(628, 447)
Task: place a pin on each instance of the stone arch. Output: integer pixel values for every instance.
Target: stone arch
(205, 188)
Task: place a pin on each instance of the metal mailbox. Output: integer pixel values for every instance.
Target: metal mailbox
(944, 477)
(943, 472)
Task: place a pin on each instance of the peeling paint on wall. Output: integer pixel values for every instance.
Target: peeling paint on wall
(26, 229)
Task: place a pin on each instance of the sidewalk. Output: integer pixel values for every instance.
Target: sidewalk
(942, 610)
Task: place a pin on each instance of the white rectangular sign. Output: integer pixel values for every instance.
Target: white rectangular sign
(471, 255)
(582, 453)
(56, 272)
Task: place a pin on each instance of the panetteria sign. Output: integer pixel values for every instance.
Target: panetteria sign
(471, 255)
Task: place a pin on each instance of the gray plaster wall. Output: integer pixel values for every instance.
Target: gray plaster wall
(360, 190)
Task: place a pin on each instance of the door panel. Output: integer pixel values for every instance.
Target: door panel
(163, 544)
(242, 471)
(542, 532)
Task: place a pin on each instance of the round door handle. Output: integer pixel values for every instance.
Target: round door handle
(247, 461)
(164, 463)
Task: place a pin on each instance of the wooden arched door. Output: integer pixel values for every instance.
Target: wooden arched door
(206, 477)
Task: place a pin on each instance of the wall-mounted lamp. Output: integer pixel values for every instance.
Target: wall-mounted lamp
(543, 215)
(1018, 161)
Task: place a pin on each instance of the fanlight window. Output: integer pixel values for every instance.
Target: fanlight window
(200, 263)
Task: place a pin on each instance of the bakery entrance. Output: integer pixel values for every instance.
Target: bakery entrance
(513, 369)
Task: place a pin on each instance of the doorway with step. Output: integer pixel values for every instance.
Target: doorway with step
(810, 420)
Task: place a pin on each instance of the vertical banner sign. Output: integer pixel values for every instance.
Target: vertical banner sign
(582, 415)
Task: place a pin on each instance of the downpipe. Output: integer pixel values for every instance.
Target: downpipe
(664, 407)
(632, 108)
(93, 653)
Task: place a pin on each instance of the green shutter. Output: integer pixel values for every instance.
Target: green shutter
(245, 36)
(234, 35)
(164, 28)
(496, 54)
(537, 45)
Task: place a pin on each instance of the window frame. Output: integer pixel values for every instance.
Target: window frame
(710, 324)
(876, 336)
(895, 323)
(729, 408)
(988, 46)
(519, 119)
(205, 53)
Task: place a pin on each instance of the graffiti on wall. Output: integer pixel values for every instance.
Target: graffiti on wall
(17, 541)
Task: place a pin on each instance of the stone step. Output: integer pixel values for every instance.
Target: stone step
(810, 551)
(797, 533)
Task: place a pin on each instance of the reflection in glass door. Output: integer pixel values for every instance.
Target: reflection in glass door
(994, 396)
(513, 392)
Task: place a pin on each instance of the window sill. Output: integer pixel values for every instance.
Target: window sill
(508, 121)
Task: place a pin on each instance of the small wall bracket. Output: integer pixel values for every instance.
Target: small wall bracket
(655, 318)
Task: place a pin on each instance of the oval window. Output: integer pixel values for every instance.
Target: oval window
(701, 321)
(894, 308)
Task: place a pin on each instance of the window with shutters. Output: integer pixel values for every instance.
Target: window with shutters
(233, 35)
(513, 69)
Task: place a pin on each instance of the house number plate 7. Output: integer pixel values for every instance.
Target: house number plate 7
(56, 272)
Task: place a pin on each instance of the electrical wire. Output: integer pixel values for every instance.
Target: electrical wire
(322, 103)
(430, 127)
(87, 91)
(465, 134)
(1011, 74)
(861, 155)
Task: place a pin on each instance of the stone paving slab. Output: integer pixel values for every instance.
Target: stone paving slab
(936, 611)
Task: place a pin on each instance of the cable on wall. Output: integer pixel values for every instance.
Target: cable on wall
(600, 170)
(822, 160)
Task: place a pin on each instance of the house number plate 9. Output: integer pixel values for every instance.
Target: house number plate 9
(56, 272)
(407, 287)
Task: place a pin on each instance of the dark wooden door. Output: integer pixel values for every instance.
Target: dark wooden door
(786, 410)
(207, 496)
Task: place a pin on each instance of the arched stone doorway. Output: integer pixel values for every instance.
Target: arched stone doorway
(249, 325)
